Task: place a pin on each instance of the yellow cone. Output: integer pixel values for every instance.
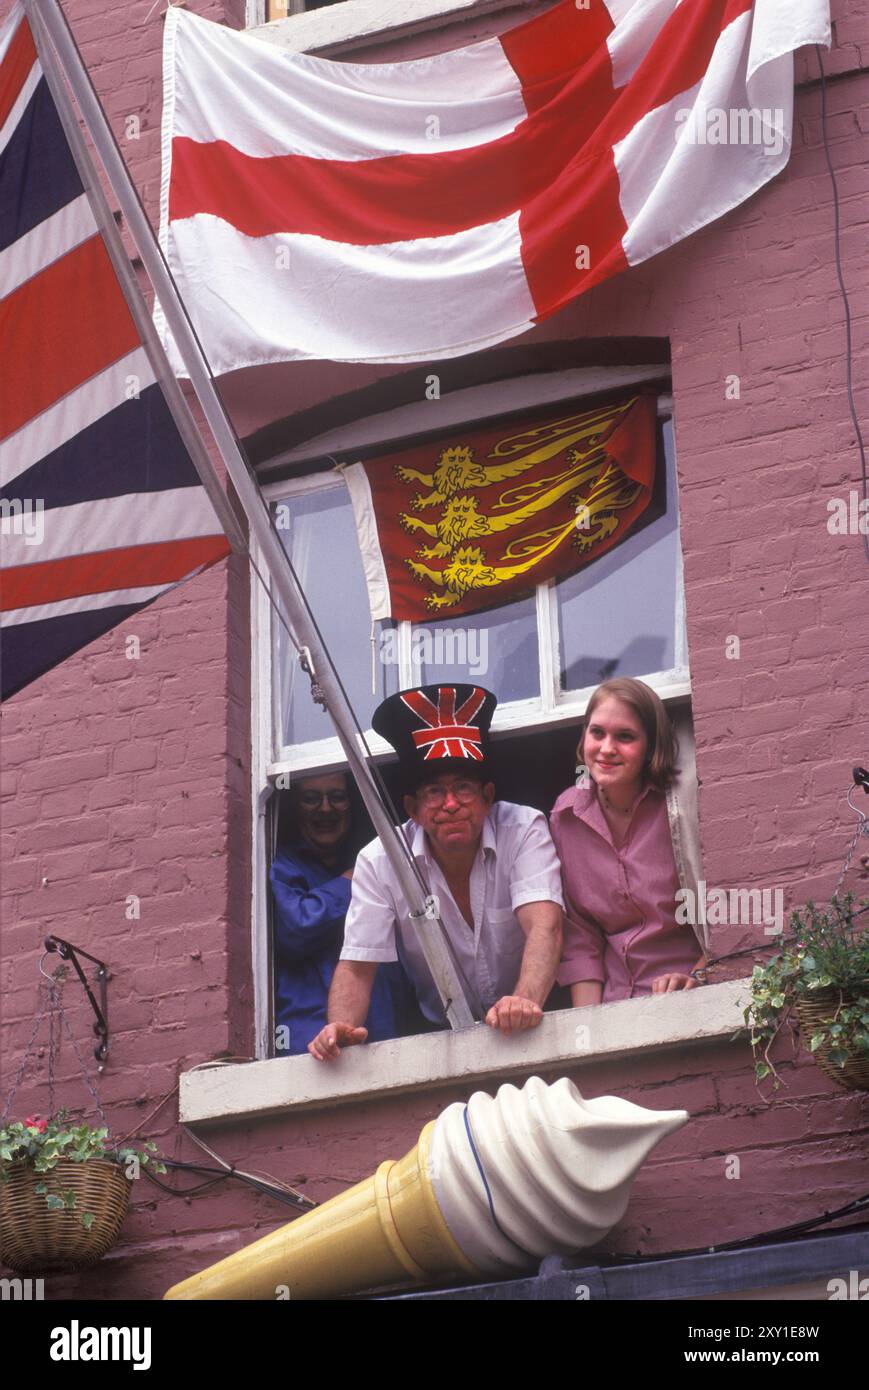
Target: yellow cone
(384, 1230)
(490, 1188)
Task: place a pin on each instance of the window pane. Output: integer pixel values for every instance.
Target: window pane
(321, 542)
(618, 616)
(497, 649)
(281, 9)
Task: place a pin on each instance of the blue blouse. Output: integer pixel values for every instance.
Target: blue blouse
(310, 906)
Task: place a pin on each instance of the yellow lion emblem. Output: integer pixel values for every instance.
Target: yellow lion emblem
(455, 470)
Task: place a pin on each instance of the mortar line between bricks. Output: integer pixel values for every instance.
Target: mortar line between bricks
(812, 83)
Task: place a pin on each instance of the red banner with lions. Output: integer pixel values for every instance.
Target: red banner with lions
(481, 516)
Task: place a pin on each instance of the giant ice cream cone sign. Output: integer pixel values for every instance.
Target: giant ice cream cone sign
(490, 1188)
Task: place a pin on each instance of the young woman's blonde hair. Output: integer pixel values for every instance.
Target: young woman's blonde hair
(663, 749)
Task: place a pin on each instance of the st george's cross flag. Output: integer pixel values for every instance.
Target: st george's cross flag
(101, 507)
(409, 211)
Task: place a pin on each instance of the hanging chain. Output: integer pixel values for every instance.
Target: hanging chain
(24, 1060)
(87, 1080)
(52, 1005)
(55, 1013)
(862, 829)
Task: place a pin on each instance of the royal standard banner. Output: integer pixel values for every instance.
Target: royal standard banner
(478, 519)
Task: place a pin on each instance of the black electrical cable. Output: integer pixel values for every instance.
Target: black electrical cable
(297, 1203)
(849, 354)
(746, 1242)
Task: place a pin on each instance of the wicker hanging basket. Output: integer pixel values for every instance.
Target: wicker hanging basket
(36, 1240)
(812, 1011)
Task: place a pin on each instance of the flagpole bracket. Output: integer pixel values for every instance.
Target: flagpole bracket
(306, 661)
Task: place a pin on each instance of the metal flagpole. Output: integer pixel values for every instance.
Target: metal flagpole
(47, 16)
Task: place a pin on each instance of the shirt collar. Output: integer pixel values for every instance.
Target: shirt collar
(487, 839)
(585, 802)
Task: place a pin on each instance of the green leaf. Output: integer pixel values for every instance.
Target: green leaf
(87, 1219)
(817, 1039)
(54, 1203)
(40, 1188)
(761, 1070)
(777, 1001)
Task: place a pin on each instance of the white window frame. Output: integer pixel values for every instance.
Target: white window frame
(552, 708)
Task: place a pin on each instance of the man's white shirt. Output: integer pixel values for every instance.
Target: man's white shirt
(516, 863)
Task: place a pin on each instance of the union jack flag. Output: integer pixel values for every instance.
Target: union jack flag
(101, 507)
(449, 732)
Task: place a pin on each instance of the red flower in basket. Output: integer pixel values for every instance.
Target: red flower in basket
(34, 1122)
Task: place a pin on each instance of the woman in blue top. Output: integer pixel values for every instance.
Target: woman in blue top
(311, 884)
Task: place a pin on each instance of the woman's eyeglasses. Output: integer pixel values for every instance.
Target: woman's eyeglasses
(339, 801)
(434, 795)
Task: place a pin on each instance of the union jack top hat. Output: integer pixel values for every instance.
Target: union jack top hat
(437, 728)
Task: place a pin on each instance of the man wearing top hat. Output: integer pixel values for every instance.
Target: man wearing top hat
(491, 866)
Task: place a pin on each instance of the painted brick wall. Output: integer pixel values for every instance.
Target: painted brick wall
(125, 777)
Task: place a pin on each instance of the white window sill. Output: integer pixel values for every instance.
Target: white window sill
(241, 1091)
(336, 26)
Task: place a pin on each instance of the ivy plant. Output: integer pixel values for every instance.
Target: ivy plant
(41, 1144)
(826, 949)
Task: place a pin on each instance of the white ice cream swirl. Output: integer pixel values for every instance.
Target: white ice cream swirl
(558, 1169)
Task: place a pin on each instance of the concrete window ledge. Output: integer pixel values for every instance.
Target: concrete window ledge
(328, 29)
(569, 1038)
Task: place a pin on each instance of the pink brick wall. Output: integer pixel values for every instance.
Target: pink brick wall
(132, 777)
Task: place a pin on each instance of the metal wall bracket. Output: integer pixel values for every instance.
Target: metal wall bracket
(67, 951)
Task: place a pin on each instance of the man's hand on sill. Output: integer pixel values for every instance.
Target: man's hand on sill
(349, 997)
(326, 1047)
(513, 1014)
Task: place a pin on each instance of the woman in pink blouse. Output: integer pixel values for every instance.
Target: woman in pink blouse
(612, 832)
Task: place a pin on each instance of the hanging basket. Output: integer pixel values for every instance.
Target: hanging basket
(36, 1240)
(812, 1011)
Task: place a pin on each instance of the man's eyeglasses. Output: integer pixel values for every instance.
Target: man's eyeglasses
(339, 801)
(435, 795)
